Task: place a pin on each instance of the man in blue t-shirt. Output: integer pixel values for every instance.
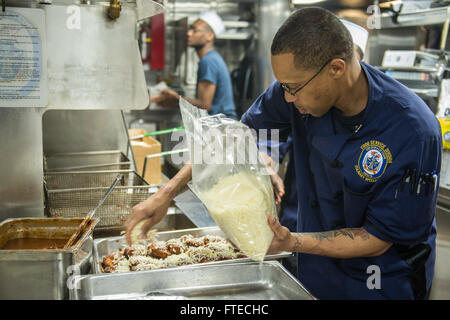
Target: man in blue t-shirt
(214, 92)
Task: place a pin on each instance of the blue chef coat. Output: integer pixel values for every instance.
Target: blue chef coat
(355, 180)
(289, 203)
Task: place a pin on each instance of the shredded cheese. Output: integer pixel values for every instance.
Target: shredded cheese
(240, 205)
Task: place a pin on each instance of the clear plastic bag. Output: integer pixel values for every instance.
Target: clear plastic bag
(230, 178)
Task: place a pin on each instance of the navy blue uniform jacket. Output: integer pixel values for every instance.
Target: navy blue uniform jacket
(356, 180)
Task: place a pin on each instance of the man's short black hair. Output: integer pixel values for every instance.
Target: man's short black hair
(313, 35)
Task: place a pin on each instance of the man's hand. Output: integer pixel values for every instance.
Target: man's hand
(278, 187)
(277, 182)
(282, 237)
(166, 98)
(154, 208)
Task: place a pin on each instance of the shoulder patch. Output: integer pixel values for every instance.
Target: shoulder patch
(373, 160)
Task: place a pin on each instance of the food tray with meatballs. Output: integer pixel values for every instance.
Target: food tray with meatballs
(188, 247)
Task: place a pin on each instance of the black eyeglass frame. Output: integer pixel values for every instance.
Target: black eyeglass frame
(288, 90)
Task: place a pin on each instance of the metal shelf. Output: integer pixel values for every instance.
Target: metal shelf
(237, 24)
(415, 69)
(234, 36)
(433, 93)
(419, 18)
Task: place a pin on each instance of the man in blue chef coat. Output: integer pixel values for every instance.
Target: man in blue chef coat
(367, 159)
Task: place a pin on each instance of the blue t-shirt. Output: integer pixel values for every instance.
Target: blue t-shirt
(212, 68)
(358, 179)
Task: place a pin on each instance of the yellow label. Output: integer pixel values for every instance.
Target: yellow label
(445, 128)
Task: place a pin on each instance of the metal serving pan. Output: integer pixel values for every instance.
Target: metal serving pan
(86, 161)
(42, 273)
(243, 281)
(106, 246)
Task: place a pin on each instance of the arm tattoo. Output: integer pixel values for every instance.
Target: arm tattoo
(352, 233)
(297, 243)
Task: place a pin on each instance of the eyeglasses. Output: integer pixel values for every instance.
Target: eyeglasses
(293, 93)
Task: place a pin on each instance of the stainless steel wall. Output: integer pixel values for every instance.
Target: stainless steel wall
(21, 163)
(270, 16)
(410, 38)
(26, 133)
(83, 130)
(95, 65)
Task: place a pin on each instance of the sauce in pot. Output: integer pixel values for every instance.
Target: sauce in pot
(34, 243)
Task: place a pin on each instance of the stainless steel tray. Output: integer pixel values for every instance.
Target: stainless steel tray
(86, 161)
(106, 246)
(243, 281)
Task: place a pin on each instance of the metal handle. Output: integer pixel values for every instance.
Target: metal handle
(162, 154)
(156, 133)
(91, 213)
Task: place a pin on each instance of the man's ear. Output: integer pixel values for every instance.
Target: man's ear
(210, 36)
(338, 67)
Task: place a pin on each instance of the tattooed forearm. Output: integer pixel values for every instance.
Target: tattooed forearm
(351, 233)
(342, 244)
(297, 243)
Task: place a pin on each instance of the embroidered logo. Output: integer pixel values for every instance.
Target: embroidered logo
(373, 160)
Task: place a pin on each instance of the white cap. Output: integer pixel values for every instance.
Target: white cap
(213, 20)
(359, 34)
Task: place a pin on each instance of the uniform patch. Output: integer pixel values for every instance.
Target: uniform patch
(373, 160)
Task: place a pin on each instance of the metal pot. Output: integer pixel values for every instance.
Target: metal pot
(42, 273)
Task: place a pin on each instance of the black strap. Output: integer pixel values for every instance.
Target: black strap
(416, 257)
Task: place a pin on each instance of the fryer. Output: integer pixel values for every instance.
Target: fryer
(90, 179)
(87, 161)
(114, 211)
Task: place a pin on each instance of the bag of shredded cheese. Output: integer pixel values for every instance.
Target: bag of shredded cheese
(230, 178)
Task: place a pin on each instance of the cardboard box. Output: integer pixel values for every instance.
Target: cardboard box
(142, 148)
